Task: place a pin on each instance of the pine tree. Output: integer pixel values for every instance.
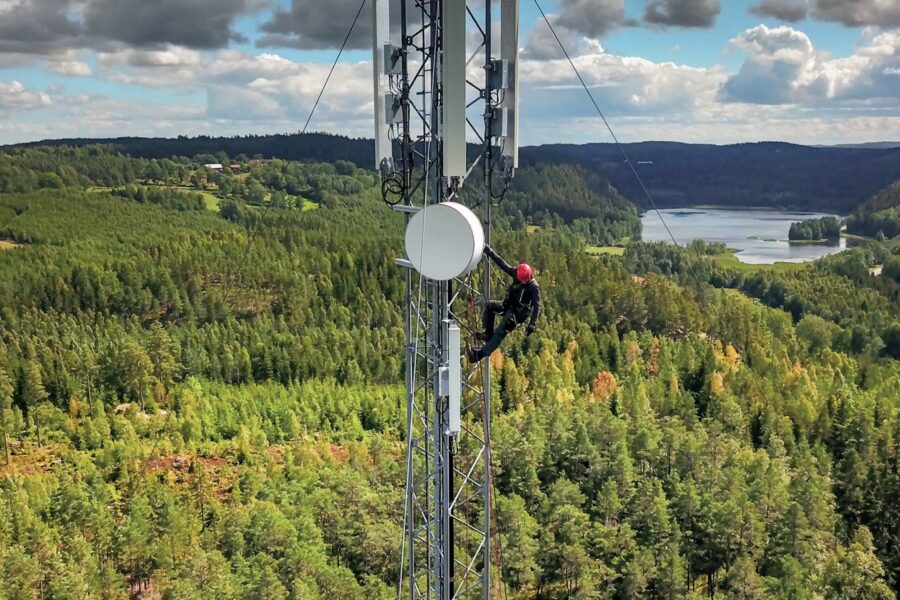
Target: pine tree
(135, 550)
(856, 572)
(162, 353)
(6, 397)
(34, 394)
(518, 534)
(743, 582)
(137, 370)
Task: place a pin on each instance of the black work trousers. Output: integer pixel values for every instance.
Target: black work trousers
(495, 337)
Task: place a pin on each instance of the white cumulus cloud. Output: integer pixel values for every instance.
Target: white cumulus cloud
(785, 88)
(15, 96)
(784, 67)
(68, 63)
(263, 88)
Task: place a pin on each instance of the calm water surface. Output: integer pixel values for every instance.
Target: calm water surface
(760, 236)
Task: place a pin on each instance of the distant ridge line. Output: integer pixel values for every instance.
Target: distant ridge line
(760, 174)
(865, 146)
(204, 139)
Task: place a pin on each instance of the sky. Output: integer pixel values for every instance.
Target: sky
(714, 71)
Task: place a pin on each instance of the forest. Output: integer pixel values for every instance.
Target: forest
(878, 216)
(181, 417)
(311, 146)
(772, 175)
(814, 230)
(768, 174)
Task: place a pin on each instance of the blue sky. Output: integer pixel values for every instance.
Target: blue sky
(721, 71)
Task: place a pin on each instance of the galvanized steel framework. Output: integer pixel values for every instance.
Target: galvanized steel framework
(429, 92)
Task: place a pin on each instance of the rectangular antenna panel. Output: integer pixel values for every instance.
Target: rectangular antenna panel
(500, 122)
(393, 109)
(498, 74)
(392, 63)
(384, 157)
(454, 400)
(509, 51)
(453, 71)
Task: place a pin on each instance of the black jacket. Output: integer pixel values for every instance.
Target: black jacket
(521, 298)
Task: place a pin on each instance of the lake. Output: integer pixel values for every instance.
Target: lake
(759, 235)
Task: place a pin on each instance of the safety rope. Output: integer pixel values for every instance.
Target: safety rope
(612, 133)
(754, 382)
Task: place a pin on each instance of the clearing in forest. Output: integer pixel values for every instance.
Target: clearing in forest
(600, 250)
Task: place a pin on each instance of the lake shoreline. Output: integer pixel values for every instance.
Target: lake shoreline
(799, 211)
(758, 236)
(822, 242)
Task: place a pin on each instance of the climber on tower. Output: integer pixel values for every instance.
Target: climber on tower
(523, 298)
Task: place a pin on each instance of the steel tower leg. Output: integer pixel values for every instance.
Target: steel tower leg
(486, 285)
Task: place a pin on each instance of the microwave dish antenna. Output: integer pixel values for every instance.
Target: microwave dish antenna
(444, 241)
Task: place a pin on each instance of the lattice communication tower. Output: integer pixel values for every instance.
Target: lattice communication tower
(446, 130)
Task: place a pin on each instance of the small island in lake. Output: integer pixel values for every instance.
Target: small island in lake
(815, 231)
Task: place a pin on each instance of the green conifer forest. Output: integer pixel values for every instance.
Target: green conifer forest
(201, 395)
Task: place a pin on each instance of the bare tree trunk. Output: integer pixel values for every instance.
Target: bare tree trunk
(5, 427)
(37, 426)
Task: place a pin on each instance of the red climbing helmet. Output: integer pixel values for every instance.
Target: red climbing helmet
(523, 273)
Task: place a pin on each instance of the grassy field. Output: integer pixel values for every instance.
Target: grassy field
(727, 260)
(730, 261)
(601, 250)
(210, 200)
(308, 205)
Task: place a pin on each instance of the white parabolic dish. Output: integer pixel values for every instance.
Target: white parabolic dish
(444, 241)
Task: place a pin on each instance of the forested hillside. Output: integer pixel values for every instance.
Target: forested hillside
(880, 214)
(310, 146)
(185, 415)
(772, 175)
(854, 311)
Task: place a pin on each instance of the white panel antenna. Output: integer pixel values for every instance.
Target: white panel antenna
(384, 161)
(509, 53)
(453, 125)
(454, 391)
